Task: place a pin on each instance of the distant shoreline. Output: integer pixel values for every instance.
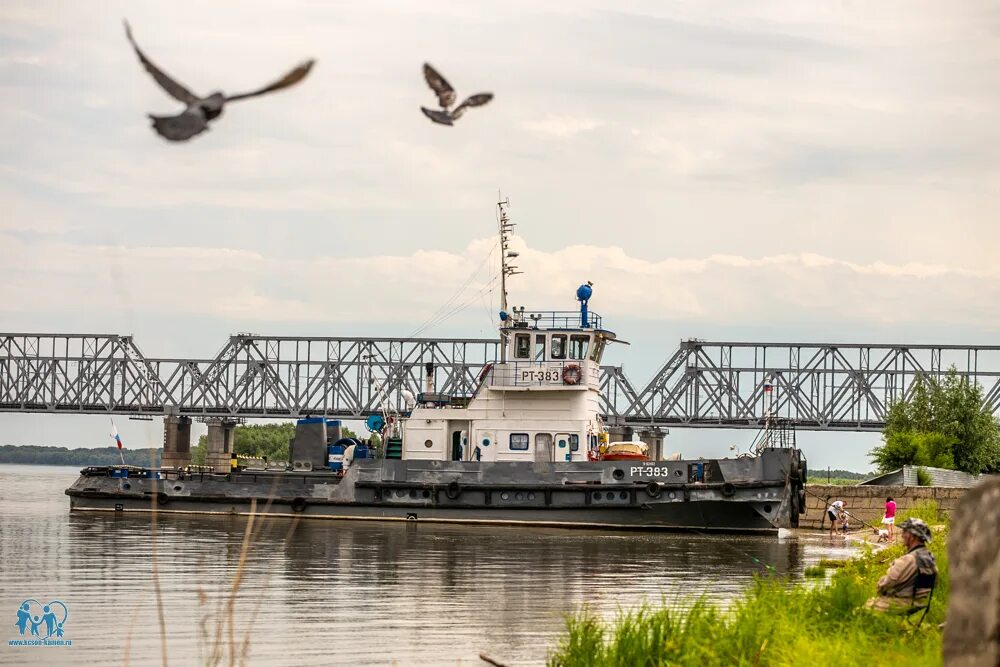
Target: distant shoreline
(84, 456)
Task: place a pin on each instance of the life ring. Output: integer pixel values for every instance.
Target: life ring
(571, 374)
(653, 489)
(728, 490)
(453, 490)
(298, 504)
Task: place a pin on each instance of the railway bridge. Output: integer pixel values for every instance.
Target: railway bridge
(820, 386)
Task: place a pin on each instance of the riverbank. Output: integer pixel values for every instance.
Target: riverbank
(867, 503)
(777, 622)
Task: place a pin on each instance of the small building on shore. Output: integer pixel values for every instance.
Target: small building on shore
(907, 476)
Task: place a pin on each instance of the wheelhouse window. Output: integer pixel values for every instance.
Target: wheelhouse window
(539, 347)
(578, 347)
(574, 442)
(558, 346)
(519, 442)
(595, 354)
(522, 346)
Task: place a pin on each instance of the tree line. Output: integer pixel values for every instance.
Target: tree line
(943, 424)
(258, 440)
(62, 456)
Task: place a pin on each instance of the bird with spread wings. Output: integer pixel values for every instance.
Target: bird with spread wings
(446, 97)
(198, 111)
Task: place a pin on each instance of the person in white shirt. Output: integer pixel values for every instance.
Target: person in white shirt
(836, 514)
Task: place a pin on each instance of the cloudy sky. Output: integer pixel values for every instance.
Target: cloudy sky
(777, 171)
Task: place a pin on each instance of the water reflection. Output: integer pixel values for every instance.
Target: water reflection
(349, 592)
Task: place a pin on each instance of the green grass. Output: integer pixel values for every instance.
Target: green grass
(775, 622)
(832, 562)
(815, 571)
(927, 510)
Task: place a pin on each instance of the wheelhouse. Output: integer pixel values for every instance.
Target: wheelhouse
(539, 402)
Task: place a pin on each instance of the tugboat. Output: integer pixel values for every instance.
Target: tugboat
(527, 447)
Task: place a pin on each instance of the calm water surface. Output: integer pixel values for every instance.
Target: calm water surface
(341, 592)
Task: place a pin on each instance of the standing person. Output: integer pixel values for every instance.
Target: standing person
(911, 576)
(890, 515)
(835, 512)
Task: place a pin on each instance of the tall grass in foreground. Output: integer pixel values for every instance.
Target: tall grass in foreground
(219, 649)
(775, 622)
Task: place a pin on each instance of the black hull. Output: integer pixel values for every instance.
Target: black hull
(702, 516)
(604, 495)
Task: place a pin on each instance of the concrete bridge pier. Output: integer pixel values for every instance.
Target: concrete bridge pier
(176, 441)
(219, 452)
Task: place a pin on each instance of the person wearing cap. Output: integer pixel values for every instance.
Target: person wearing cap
(910, 578)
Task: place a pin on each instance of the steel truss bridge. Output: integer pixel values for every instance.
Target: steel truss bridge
(704, 384)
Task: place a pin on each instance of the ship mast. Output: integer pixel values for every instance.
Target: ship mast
(506, 255)
(506, 269)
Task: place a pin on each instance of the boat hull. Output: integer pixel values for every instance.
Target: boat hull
(742, 495)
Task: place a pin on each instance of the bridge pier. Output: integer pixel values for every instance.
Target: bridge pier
(654, 437)
(176, 441)
(219, 452)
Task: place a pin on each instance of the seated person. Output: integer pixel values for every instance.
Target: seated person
(908, 582)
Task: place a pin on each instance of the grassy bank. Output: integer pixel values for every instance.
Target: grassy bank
(775, 622)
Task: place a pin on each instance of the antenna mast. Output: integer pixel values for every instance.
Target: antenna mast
(506, 255)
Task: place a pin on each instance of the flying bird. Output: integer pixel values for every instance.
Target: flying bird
(446, 97)
(199, 111)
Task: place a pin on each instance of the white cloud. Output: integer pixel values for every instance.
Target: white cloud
(239, 286)
(562, 126)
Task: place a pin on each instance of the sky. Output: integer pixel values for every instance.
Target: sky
(744, 171)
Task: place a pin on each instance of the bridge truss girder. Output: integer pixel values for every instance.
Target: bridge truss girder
(703, 384)
(816, 386)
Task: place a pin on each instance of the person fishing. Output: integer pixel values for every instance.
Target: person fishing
(836, 512)
(911, 577)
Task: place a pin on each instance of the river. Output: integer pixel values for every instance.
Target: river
(350, 593)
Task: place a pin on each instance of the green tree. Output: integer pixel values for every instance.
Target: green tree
(958, 411)
(199, 451)
(260, 440)
(951, 409)
(914, 449)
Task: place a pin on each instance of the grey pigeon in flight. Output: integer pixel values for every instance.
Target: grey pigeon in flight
(200, 110)
(446, 97)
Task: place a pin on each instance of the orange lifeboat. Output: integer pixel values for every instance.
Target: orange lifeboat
(626, 451)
